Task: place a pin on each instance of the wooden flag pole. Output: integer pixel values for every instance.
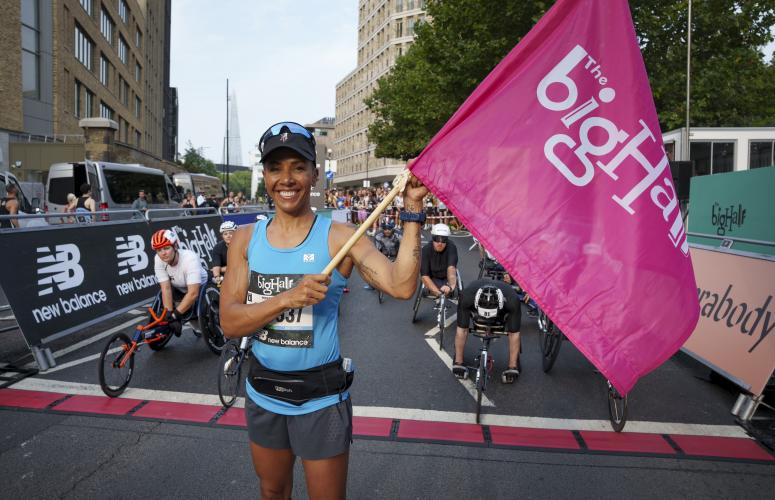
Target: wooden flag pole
(399, 183)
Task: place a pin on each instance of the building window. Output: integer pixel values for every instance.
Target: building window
(123, 10)
(123, 91)
(761, 154)
(104, 71)
(30, 50)
(138, 106)
(77, 103)
(107, 26)
(87, 6)
(409, 4)
(399, 28)
(712, 157)
(83, 47)
(138, 72)
(106, 111)
(122, 49)
(88, 103)
(399, 5)
(410, 27)
(138, 138)
(138, 38)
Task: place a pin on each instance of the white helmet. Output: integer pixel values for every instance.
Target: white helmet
(261, 217)
(440, 230)
(228, 225)
(489, 301)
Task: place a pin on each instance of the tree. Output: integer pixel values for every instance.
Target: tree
(238, 181)
(731, 84)
(195, 162)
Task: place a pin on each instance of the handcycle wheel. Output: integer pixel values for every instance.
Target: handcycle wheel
(381, 296)
(481, 377)
(617, 408)
(416, 306)
(442, 324)
(229, 373)
(551, 340)
(211, 323)
(113, 378)
(158, 345)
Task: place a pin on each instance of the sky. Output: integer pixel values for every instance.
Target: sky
(283, 59)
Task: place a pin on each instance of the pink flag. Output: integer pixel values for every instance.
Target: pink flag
(556, 164)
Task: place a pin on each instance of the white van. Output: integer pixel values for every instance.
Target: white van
(199, 184)
(114, 185)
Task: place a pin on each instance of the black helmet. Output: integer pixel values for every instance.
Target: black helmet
(489, 302)
(388, 226)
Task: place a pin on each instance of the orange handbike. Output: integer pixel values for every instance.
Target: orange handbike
(117, 361)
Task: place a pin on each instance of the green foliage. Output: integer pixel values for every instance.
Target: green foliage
(195, 162)
(731, 84)
(238, 181)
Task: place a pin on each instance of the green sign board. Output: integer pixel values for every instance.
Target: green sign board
(734, 205)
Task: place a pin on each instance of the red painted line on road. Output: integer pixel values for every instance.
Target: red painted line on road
(97, 404)
(535, 438)
(440, 431)
(177, 411)
(234, 417)
(626, 441)
(724, 447)
(35, 400)
(372, 426)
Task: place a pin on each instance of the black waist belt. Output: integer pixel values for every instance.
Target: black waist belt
(298, 387)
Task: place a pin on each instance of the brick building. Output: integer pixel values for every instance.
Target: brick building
(66, 60)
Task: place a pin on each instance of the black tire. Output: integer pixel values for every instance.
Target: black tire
(480, 383)
(229, 375)
(115, 379)
(381, 296)
(617, 409)
(161, 343)
(442, 326)
(416, 306)
(551, 341)
(481, 269)
(211, 321)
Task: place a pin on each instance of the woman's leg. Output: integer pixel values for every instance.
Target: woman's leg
(327, 478)
(274, 469)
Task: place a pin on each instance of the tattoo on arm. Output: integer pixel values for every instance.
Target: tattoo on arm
(368, 273)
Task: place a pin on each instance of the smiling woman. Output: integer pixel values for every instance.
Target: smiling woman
(297, 400)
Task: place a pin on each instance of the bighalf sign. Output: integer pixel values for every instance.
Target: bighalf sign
(736, 329)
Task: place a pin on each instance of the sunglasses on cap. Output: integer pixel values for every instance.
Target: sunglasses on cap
(285, 127)
(439, 239)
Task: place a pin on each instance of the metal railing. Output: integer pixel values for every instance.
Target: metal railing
(242, 209)
(72, 218)
(170, 213)
(733, 239)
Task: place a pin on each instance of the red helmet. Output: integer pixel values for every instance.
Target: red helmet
(164, 238)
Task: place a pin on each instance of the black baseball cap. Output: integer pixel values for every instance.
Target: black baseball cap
(288, 135)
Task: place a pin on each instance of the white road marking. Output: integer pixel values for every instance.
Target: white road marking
(37, 384)
(467, 384)
(95, 338)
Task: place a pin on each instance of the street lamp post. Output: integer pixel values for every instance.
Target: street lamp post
(227, 135)
(686, 150)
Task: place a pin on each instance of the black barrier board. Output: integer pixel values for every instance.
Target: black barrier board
(199, 233)
(61, 279)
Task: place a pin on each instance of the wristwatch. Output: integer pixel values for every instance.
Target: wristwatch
(412, 217)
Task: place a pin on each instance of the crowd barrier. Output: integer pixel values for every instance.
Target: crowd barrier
(60, 279)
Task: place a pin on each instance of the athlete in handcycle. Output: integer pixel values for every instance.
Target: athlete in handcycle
(489, 309)
(387, 242)
(489, 267)
(184, 297)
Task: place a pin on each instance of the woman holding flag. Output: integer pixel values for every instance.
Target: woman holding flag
(280, 289)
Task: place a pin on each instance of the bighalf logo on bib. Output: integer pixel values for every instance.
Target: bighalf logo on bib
(643, 147)
(64, 270)
(131, 254)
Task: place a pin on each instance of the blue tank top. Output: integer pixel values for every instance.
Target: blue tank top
(298, 339)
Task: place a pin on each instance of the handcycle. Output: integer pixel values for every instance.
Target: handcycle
(484, 361)
(233, 356)
(441, 304)
(551, 339)
(117, 359)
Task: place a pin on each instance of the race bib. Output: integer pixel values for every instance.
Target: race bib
(293, 327)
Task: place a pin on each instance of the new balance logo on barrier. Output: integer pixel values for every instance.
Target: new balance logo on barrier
(64, 269)
(131, 253)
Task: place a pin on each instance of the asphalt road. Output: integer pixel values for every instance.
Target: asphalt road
(399, 371)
